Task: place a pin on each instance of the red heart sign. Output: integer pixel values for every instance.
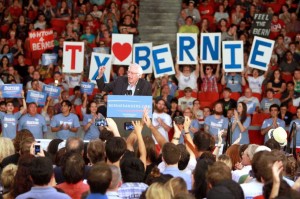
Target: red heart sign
(121, 51)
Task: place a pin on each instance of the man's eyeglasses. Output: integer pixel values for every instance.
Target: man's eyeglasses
(131, 73)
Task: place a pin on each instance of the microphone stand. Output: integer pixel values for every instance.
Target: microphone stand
(228, 140)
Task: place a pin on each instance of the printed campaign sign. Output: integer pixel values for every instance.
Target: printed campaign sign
(233, 56)
(210, 48)
(121, 49)
(87, 87)
(187, 48)
(73, 56)
(41, 40)
(37, 97)
(261, 25)
(10, 57)
(48, 59)
(99, 60)
(162, 60)
(142, 55)
(12, 90)
(52, 91)
(125, 106)
(104, 50)
(260, 54)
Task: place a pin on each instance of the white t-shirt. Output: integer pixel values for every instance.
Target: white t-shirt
(236, 174)
(189, 81)
(166, 119)
(183, 102)
(256, 84)
(252, 189)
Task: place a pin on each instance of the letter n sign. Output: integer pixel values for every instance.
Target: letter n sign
(73, 56)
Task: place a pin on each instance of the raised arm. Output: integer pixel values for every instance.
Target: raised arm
(217, 75)
(197, 69)
(24, 103)
(157, 135)
(177, 71)
(223, 81)
(113, 127)
(138, 126)
(201, 71)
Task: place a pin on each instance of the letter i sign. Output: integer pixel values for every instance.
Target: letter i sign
(73, 57)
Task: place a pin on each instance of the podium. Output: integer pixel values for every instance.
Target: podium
(127, 108)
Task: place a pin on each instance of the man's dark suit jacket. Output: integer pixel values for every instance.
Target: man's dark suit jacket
(119, 86)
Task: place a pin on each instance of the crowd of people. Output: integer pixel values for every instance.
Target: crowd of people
(198, 148)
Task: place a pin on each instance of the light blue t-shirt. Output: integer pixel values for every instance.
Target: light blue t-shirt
(266, 103)
(9, 124)
(72, 120)
(269, 122)
(237, 131)
(93, 131)
(216, 125)
(194, 124)
(234, 82)
(35, 124)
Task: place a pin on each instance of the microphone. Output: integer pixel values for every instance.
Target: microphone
(128, 92)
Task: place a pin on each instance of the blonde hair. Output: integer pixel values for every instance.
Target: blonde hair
(226, 159)
(6, 148)
(158, 191)
(8, 175)
(176, 185)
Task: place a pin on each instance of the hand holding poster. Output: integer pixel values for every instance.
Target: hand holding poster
(121, 49)
(37, 97)
(98, 60)
(48, 59)
(233, 56)
(162, 59)
(87, 87)
(261, 25)
(142, 55)
(12, 90)
(210, 48)
(260, 54)
(52, 91)
(41, 40)
(73, 54)
(187, 48)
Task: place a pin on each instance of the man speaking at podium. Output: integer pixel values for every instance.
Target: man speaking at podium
(132, 84)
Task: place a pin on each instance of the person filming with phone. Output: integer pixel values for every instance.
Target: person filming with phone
(132, 84)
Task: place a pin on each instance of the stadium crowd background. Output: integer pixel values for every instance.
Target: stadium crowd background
(192, 110)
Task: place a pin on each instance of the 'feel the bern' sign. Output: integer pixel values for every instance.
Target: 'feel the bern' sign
(261, 24)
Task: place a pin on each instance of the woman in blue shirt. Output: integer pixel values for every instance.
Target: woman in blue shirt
(90, 117)
(240, 124)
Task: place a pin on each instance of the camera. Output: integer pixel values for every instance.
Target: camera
(100, 122)
(179, 120)
(128, 126)
(37, 148)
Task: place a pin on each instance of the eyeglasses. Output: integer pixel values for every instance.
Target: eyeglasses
(208, 69)
(131, 73)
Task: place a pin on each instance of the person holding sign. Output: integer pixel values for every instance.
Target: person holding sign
(132, 84)
(9, 120)
(209, 80)
(65, 124)
(255, 81)
(33, 122)
(187, 78)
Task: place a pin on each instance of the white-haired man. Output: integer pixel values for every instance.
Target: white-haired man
(132, 84)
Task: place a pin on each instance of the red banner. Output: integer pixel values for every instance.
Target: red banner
(41, 40)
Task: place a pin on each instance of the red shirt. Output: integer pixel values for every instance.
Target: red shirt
(74, 190)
